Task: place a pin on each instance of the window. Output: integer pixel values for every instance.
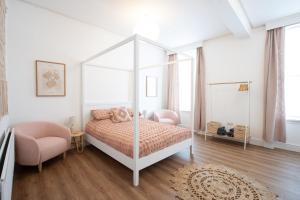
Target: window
(292, 72)
(184, 75)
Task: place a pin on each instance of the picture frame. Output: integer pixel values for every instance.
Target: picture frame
(151, 86)
(50, 79)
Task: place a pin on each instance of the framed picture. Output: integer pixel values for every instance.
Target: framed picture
(151, 86)
(50, 79)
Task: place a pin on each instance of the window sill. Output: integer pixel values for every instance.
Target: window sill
(185, 111)
(293, 120)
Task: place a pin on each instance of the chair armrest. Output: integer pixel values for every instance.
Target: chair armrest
(60, 131)
(155, 117)
(170, 114)
(174, 116)
(27, 150)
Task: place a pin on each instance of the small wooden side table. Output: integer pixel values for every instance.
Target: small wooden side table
(78, 138)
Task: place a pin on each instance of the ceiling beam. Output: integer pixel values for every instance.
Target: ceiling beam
(284, 21)
(233, 16)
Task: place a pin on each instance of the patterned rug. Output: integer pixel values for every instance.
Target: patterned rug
(216, 182)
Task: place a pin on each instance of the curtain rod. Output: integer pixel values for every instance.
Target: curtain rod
(233, 82)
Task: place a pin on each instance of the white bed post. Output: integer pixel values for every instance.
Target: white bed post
(82, 95)
(136, 112)
(192, 107)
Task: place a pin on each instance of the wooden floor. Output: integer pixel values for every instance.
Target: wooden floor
(94, 175)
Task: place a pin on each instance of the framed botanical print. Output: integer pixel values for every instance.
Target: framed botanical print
(50, 79)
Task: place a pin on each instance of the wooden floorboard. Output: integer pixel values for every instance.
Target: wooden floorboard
(94, 175)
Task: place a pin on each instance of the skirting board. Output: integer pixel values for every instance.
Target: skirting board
(289, 147)
(279, 145)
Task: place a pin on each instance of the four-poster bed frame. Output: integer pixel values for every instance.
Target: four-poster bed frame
(136, 163)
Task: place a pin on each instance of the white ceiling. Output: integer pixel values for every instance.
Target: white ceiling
(181, 21)
(261, 11)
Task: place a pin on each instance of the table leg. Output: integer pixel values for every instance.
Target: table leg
(78, 140)
(80, 149)
(77, 145)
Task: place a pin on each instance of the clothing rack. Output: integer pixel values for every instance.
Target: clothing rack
(246, 137)
(227, 83)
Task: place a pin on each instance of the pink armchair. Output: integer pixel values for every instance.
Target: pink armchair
(37, 142)
(167, 117)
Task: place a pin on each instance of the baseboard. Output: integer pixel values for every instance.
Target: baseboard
(278, 145)
(289, 147)
(257, 142)
(260, 142)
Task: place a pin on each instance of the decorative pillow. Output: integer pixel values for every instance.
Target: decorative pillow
(131, 112)
(120, 115)
(101, 114)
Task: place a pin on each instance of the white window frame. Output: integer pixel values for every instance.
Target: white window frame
(291, 118)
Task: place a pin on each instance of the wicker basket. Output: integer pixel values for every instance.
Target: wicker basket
(212, 127)
(240, 131)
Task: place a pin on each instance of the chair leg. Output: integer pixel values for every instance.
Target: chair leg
(40, 166)
(64, 155)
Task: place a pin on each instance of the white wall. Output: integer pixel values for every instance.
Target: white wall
(4, 123)
(293, 132)
(151, 104)
(151, 55)
(106, 86)
(34, 33)
(232, 59)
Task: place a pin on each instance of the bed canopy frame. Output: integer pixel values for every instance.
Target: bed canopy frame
(136, 163)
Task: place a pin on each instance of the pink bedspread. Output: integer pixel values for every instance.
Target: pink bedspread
(154, 136)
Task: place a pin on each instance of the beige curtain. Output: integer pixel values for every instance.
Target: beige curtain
(199, 115)
(3, 83)
(274, 119)
(173, 85)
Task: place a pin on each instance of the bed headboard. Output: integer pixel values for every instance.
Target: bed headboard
(87, 107)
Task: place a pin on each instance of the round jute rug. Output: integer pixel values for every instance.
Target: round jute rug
(217, 182)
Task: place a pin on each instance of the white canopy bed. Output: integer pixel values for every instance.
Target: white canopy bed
(136, 162)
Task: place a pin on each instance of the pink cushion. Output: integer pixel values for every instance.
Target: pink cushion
(101, 114)
(51, 147)
(120, 115)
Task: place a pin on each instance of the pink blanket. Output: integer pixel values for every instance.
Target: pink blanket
(154, 136)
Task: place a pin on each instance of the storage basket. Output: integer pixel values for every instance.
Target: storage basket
(240, 131)
(212, 127)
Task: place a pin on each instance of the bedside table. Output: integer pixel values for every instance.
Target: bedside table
(78, 137)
